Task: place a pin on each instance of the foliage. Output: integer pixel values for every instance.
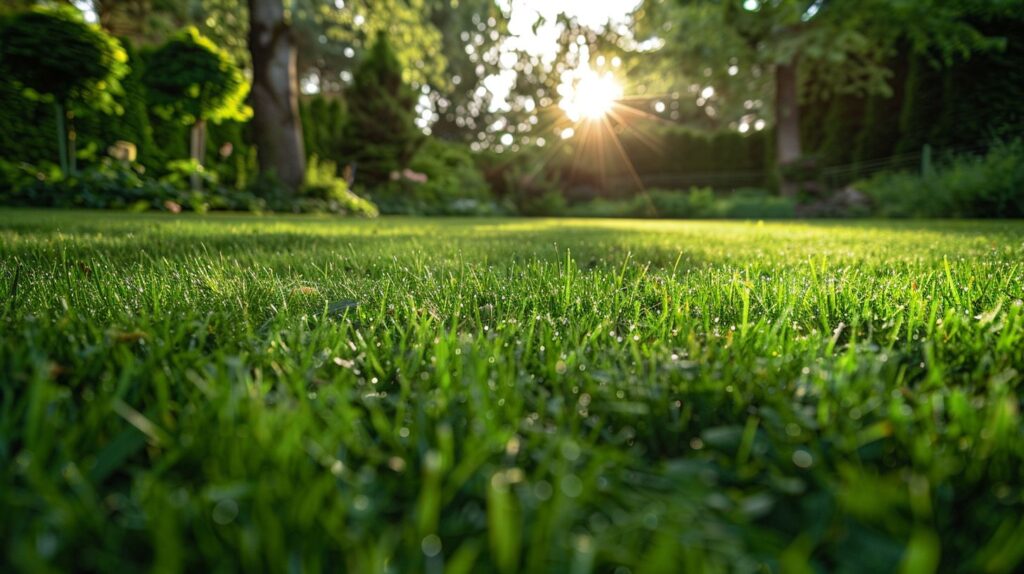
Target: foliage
(697, 203)
(933, 103)
(415, 42)
(54, 54)
(324, 121)
(191, 394)
(110, 185)
(26, 125)
(450, 169)
(190, 79)
(131, 124)
(464, 109)
(230, 154)
(325, 192)
(180, 172)
(453, 184)
(125, 186)
(382, 136)
(680, 151)
(545, 204)
(970, 186)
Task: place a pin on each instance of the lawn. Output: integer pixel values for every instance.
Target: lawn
(220, 393)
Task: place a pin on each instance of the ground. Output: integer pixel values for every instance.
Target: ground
(253, 393)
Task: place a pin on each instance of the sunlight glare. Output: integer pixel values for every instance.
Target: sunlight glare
(587, 95)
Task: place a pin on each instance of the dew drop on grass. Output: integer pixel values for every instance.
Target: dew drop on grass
(46, 544)
(431, 545)
(542, 490)
(571, 451)
(802, 459)
(572, 486)
(225, 511)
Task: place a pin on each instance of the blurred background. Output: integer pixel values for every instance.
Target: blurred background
(618, 108)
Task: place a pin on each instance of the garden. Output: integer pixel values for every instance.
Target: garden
(511, 286)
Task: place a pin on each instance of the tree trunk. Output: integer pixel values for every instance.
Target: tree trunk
(787, 120)
(275, 91)
(197, 147)
(72, 145)
(62, 138)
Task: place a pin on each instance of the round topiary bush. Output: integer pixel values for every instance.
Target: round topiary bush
(57, 56)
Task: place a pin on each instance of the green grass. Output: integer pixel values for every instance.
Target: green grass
(186, 394)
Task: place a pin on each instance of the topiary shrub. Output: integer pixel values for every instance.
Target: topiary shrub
(190, 80)
(57, 57)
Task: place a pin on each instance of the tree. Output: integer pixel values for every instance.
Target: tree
(472, 34)
(58, 57)
(329, 39)
(277, 128)
(191, 80)
(382, 134)
(323, 126)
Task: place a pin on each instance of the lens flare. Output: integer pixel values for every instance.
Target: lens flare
(587, 95)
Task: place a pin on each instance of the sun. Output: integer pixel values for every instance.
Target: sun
(587, 95)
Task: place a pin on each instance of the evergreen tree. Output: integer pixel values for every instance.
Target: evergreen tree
(382, 134)
(323, 127)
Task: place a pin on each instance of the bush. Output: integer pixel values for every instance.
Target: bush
(325, 192)
(324, 120)
(639, 206)
(982, 187)
(108, 185)
(453, 185)
(120, 185)
(698, 203)
(549, 203)
(755, 204)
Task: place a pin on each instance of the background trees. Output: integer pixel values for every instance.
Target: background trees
(804, 49)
